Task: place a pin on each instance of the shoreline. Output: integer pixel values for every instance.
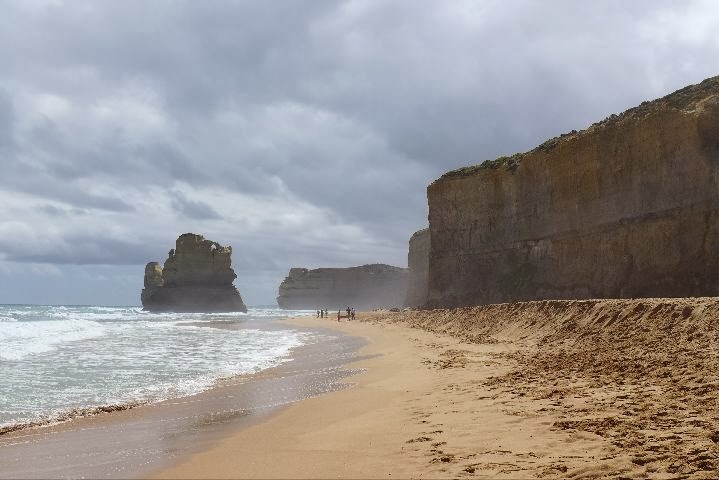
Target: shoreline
(74, 413)
(320, 437)
(66, 362)
(548, 389)
(134, 442)
(389, 424)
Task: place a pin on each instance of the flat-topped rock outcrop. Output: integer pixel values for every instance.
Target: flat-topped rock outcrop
(197, 277)
(364, 288)
(628, 207)
(418, 263)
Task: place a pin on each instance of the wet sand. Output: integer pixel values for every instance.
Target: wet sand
(557, 389)
(359, 432)
(135, 442)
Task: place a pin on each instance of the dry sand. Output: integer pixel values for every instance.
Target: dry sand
(615, 388)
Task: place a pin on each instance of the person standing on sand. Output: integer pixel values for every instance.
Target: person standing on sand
(339, 314)
(353, 314)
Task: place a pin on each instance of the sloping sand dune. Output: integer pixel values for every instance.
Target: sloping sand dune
(641, 374)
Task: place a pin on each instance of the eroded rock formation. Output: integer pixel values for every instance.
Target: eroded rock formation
(626, 208)
(364, 288)
(197, 277)
(418, 263)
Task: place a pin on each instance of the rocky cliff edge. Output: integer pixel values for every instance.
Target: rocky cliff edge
(627, 208)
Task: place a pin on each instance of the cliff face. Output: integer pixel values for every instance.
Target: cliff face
(197, 277)
(364, 288)
(627, 208)
(418, 263)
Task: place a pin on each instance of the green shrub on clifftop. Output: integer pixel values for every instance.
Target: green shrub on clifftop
(508, 163)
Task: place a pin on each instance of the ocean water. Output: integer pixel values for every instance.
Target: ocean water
(57, 362)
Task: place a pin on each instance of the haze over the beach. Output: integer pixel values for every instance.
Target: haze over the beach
(301, 133)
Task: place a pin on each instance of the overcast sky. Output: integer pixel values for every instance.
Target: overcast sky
(302, 133)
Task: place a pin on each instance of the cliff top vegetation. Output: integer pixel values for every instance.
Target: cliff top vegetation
(685, 99)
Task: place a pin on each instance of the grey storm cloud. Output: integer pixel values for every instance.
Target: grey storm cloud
(191, 208)
(302, 132)
(7, 118)
(80, 250)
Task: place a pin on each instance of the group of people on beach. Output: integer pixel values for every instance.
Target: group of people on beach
(325, 314)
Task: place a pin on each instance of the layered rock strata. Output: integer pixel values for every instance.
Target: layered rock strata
(364, 288)
(197, 277)
(626, 208)
(418, 263)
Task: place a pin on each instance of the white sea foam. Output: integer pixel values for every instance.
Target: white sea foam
(63, 359)
(20, 339)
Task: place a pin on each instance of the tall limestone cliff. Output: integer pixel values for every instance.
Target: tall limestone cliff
(197, 277)
(418, 263)
(364, 288)
(626, 208)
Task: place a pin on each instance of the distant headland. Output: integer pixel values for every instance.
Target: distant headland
(364, 287)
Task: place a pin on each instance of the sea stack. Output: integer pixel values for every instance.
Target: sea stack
(365, 287)
(627, 208)
(197, 277)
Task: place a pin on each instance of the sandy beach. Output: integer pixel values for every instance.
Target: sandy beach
(550, 389)
(615, 388)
